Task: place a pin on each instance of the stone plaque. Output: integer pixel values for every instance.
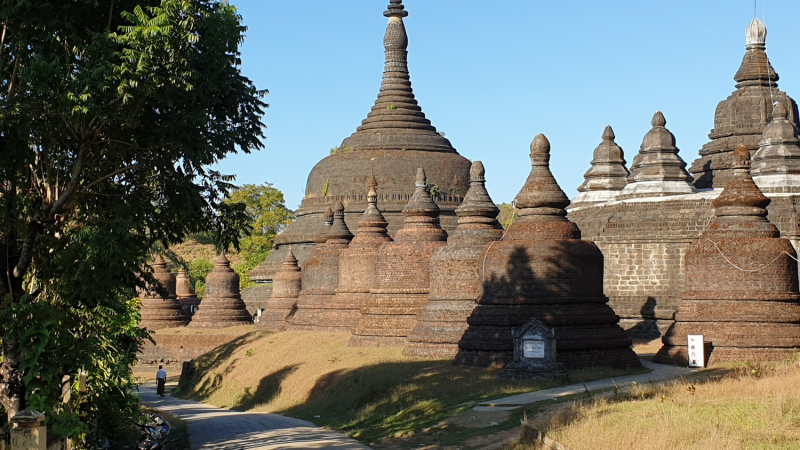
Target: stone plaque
(532, 348)
(534, 353)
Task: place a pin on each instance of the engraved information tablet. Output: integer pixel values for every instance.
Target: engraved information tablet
(532, 348)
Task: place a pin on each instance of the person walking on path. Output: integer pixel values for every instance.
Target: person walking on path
(161, 381)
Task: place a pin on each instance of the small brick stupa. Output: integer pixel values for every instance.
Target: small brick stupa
(542, 269)
(285, 290)
(776, 164)
(222, 305)
(607, 176)
(657, 170)
(402, 274)
(357, 263)
(741, 282)
(455, 282)
(321, 277)
(158, 312)
(741, 118)
(185, 293)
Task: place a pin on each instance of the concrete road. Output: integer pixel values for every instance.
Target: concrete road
(221, 429)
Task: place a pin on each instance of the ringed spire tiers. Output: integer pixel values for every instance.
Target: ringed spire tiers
(742, 117)
(607, 176)
(396, 121)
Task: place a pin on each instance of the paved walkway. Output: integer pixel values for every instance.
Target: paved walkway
(222, 429)
(659, 372)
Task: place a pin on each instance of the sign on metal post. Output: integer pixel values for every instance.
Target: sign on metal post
(697, 357)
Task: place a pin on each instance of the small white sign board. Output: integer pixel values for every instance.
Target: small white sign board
(697, 357)
(532, 348)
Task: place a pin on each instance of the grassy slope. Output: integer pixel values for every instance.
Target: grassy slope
(745, 407)
(369, 393)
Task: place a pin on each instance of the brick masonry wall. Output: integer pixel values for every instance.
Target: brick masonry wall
(644, 245)
(185, 347)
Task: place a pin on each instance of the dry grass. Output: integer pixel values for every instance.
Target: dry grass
(240, 330)
(752, 406)
(371, 393)
(283, 368)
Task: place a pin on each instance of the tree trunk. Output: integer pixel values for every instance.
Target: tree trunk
(12, 388)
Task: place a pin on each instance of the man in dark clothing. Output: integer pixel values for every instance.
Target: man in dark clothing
(161, 380)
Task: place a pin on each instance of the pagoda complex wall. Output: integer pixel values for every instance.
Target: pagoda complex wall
(644, 243)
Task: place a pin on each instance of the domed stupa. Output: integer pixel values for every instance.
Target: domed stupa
(222, 306)
(741, 282)
(542, 269)
(159, 312)
(392, 142)
(742, 117)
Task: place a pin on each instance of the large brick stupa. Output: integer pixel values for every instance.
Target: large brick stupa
(392, 142)
(742, 117)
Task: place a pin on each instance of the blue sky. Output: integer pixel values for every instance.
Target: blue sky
(492, 75)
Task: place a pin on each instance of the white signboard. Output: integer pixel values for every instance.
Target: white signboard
(697, 357)
(532, 348)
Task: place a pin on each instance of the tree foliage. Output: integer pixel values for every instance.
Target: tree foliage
(268, 216)
(111, 114)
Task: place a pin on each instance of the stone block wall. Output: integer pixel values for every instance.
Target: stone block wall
(643, 244)
(643, 281)
(179, 348)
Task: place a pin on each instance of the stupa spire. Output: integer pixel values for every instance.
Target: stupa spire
(606, 178)
(657, 170)
(372, 225)
(756, 33)
(741, 200)
(323, 236)
(755, 68)
(776, 164)
(477, 211)
(339, 230)
(396, 121)
(541, 198)
(421, 203)
(290, 262)
(396, 9)
(743, 116)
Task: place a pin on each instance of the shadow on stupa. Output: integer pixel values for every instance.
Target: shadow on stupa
(557, 282)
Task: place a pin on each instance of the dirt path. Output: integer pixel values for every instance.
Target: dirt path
(222, 429)
(659, 372)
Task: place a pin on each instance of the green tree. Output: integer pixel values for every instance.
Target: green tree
(111, 114)
(198, 271)
(266, 209)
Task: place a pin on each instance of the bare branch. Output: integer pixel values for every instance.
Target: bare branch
(110, 15)
(3, 38)
(26, 255)
(12, 84)
(112, 174)
(73, 183)
(69, 127)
